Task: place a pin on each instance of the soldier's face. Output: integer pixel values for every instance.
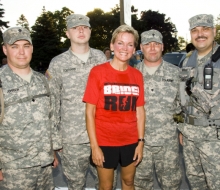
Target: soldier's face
(79, 34)
(18, 54)
(202, 38)
(152, 52)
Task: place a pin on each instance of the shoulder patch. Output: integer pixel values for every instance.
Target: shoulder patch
(48, 75)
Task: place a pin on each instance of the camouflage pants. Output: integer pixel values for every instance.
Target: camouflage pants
(34, 178)
(202, 162)
(165, 159)
(75, 164)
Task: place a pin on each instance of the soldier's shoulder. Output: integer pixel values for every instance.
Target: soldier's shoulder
(185, 61)
(97, 52)
(59, 58)
(139, 65)
(170, 66)
(4, 70)
(39, 75)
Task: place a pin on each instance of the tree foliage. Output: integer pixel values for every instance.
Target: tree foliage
(59, 18)
(45, 40)
(181, 43)
(104, 23)
(49, 38)
(3, 25)
(217, 38)
(23, 22)
(155, 20)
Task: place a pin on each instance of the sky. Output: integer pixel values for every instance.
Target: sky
(178, 10)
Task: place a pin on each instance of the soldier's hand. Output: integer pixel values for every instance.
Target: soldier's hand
(181, 138)
(1, 175)
(55, 162)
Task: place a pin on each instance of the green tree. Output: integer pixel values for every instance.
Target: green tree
(181, 43)
(3, 25)
(101, 31)
(23, 22)
(104, 23)
(59, 18)
(45, 40)
(155, 20)
(217, 38)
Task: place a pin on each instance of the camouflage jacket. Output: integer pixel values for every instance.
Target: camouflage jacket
(204, 133)
(67, 79)
(27, 133)
(162, 101)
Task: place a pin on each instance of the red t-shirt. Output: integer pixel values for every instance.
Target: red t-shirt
(116, 95)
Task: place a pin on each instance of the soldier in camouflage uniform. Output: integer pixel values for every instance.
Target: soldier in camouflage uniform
(161, 149)
(201, 142)
(68, 73)
(27, 133)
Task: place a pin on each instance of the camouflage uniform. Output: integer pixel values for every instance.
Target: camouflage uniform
(25, 133)
(161, 148)
(68, 80)
(201, 146)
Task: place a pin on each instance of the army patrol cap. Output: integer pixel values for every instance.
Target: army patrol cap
(14, 34)
(74, 20)
(151, 36)
(201, 20)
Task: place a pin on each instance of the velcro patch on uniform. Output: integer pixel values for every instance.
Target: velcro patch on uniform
(48, 75)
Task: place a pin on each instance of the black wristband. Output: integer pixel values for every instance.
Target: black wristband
(143, 140)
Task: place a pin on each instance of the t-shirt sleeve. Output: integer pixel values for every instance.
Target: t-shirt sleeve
(92, 91)
(140, 100)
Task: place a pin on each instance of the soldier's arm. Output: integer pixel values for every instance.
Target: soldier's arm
(181, 138)
(1, 175)
(177, 105)
(55, 90)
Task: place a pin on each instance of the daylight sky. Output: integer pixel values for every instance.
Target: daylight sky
(178, 10)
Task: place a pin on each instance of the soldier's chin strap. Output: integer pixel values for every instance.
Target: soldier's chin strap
(2, 103)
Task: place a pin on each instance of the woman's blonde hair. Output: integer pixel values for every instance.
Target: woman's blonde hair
(124, 29)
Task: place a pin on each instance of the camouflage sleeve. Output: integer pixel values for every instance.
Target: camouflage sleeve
(56, 133)
(55, 88)
(177, 105)
(185, 61)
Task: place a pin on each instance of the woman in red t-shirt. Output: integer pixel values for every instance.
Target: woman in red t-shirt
(115, 115)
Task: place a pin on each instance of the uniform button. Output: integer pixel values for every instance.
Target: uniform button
(152, 89)
(33, 100)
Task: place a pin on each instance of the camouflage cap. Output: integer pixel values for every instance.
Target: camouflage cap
(14, 34)
(74, 20)
(151, 36)
(201, 20)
